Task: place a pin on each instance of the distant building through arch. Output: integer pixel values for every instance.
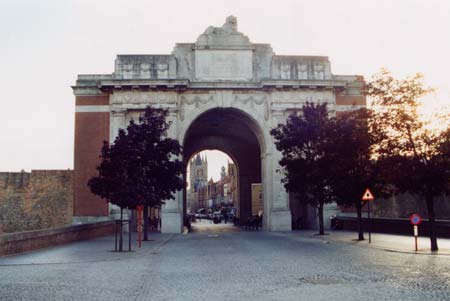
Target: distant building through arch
(198, 180)
(222, 92)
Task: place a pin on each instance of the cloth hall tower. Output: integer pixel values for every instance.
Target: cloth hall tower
(198, 178)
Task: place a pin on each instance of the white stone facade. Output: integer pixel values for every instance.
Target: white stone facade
(222, 70)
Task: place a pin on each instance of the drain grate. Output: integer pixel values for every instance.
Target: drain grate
(320, 280)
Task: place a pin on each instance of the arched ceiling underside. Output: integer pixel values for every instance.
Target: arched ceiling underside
(229, 131)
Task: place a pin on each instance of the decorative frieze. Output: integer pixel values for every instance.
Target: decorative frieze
(192, 100)
(255, 100)
(141, 97)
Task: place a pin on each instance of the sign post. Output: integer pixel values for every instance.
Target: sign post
(368, 196)
(415, 220)
(140, 211)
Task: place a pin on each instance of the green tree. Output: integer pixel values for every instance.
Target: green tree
(141, 166)
(303, 142)
(353, 169)
(413, 157)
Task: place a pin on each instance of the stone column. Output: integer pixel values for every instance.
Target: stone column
(266, 179)
(278, 198)
(172, 210)
(281, 214)
(117, 121)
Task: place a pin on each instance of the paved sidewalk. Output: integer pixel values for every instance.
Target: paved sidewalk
(89, 251)
(388, 242)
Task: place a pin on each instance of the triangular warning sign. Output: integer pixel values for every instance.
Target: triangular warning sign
(368, 196)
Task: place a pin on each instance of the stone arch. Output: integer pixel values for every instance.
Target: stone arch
(235, 133)
(254, 117)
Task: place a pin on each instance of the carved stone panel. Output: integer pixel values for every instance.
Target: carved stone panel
(285, 71)
(162, 71)
(319, 71)
(253, 101)
(185, 102)
(137, 97)
(145, 70)
(302, 71)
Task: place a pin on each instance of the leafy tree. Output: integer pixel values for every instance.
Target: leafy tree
(303, 143)
(140, 167)
(413, 157)
(353, 169)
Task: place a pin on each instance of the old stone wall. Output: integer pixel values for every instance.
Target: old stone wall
(403, 205)
(38, 200)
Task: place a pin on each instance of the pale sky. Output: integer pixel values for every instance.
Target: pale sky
(45, 44)
(216, 159)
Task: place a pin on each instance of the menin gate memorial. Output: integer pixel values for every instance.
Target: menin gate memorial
(222, 92)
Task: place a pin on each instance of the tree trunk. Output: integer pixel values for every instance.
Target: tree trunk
(359, 220)
(145, 213)
(431, 218)
(321, 230)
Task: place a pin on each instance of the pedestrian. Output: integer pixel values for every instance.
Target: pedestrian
(187, 222)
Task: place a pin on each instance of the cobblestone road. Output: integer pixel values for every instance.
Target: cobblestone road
(224, 265)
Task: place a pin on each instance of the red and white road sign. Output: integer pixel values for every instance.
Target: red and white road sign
(367, 196)
(415, 219)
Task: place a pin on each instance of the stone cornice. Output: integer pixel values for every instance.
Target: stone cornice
(177, 84)
(86, 90)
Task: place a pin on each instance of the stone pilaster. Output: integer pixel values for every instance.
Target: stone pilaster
(277, 200)
(172, 213)
(118, 121)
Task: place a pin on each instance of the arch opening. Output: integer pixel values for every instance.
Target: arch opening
(235, 134)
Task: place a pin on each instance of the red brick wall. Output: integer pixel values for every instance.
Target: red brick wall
(91, 129)
(92, 100)
(350, 100)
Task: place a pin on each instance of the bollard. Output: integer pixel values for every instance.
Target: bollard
(416, 233)
(120, 237)
(115, 241)
(129, 235)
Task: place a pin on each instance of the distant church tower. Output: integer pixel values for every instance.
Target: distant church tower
(198, 170)
(223, 173)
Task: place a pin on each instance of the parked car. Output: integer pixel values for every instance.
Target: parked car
(201, 213)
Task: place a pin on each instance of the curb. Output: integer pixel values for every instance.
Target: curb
(355, 243)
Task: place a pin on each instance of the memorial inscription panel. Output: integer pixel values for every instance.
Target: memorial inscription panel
(223, 65)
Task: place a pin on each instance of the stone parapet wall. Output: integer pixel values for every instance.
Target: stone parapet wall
(38, 200)
(31, 240)
(402, 206)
